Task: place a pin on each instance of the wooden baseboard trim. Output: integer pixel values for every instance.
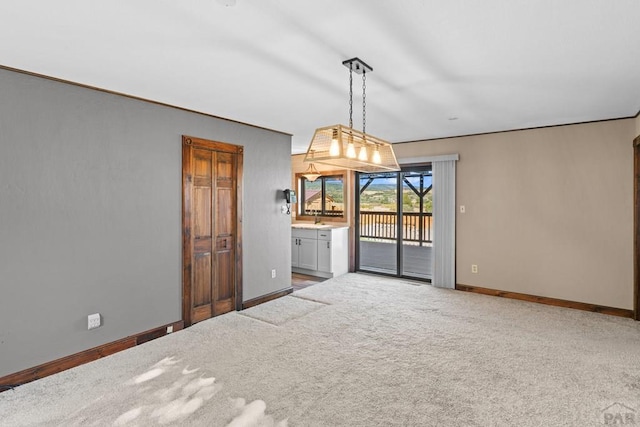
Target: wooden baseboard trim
(265, 298)
(620, 312)
(49, 368)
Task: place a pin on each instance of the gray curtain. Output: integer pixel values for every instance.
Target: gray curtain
(444, 223)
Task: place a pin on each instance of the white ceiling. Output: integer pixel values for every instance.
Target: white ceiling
(441, 68)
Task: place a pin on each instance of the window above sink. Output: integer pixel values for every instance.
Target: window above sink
(322, 199)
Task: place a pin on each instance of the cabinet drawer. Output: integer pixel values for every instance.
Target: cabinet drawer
(324, 234)
(307, 234)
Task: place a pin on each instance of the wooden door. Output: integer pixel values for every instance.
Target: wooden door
(211, 237)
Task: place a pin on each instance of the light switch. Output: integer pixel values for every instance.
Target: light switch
(462, 209)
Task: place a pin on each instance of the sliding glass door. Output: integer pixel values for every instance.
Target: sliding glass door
(377, 218)
(394, 223)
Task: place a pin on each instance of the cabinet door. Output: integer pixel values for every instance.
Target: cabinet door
(294, 252)
(324, 255)
(308, 253)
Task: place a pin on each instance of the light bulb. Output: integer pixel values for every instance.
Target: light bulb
(376, 157)
(363, 155)
(334, 149)
(351, 150)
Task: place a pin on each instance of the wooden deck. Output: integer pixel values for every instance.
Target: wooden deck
(381, 257)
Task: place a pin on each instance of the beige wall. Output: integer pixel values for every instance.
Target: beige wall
(638, 125)
(549, 211)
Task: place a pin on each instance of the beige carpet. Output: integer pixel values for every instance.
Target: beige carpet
(358, 350)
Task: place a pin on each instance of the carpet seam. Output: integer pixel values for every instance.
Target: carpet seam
(309, 299)
(259, 320)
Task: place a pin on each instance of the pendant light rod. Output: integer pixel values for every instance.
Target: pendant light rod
(350, 97)
(364, 102)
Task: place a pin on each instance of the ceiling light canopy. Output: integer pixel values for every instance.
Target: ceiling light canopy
(345, 147)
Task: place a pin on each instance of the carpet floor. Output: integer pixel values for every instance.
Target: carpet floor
(358, 350)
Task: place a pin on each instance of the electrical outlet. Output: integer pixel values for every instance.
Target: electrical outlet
(93, 321)
(474, 268)
(462, 209)
(169, 329)
(273, 273)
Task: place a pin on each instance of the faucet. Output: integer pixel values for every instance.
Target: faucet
(316, 220)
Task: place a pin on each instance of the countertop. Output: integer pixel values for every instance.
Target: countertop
(311, 226)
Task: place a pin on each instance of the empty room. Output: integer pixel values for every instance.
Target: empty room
(343, 213)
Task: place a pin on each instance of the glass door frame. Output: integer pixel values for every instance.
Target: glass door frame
(399, 222)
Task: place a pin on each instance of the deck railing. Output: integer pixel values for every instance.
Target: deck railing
(416, 226)
(333, 213)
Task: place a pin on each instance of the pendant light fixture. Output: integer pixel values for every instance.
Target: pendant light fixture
(311, 174)
(347, 148)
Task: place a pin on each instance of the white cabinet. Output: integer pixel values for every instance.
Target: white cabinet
(294, 252)
(304, 249)
(323, 252)
(304, 253)
(324, 255)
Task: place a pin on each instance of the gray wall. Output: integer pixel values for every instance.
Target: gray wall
(90, 215)
(549, 211)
